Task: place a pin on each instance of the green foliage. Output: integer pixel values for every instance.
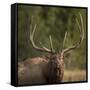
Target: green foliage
(53, 21)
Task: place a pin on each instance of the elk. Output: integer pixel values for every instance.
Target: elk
(50, 69)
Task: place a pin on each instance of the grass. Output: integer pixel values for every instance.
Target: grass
(74, 75)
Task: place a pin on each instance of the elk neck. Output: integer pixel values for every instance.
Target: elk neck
(55, 67)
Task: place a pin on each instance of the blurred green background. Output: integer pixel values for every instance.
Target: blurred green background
(54, 21)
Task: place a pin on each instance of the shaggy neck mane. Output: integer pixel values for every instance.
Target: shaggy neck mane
(53, 69)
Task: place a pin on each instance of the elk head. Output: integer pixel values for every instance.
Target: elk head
(55, 66)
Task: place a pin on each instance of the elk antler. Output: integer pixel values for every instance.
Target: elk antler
(81, 29)
(43, 49)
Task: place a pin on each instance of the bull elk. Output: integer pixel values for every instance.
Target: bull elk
(50, 69)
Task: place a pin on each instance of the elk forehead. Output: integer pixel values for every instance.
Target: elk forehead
(55, 57)
(58, 58)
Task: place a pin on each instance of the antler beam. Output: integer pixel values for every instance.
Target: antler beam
(43, 49)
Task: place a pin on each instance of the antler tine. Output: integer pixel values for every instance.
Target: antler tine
(64, 38)
(43, 49)
(51, 44)
(81, 29)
